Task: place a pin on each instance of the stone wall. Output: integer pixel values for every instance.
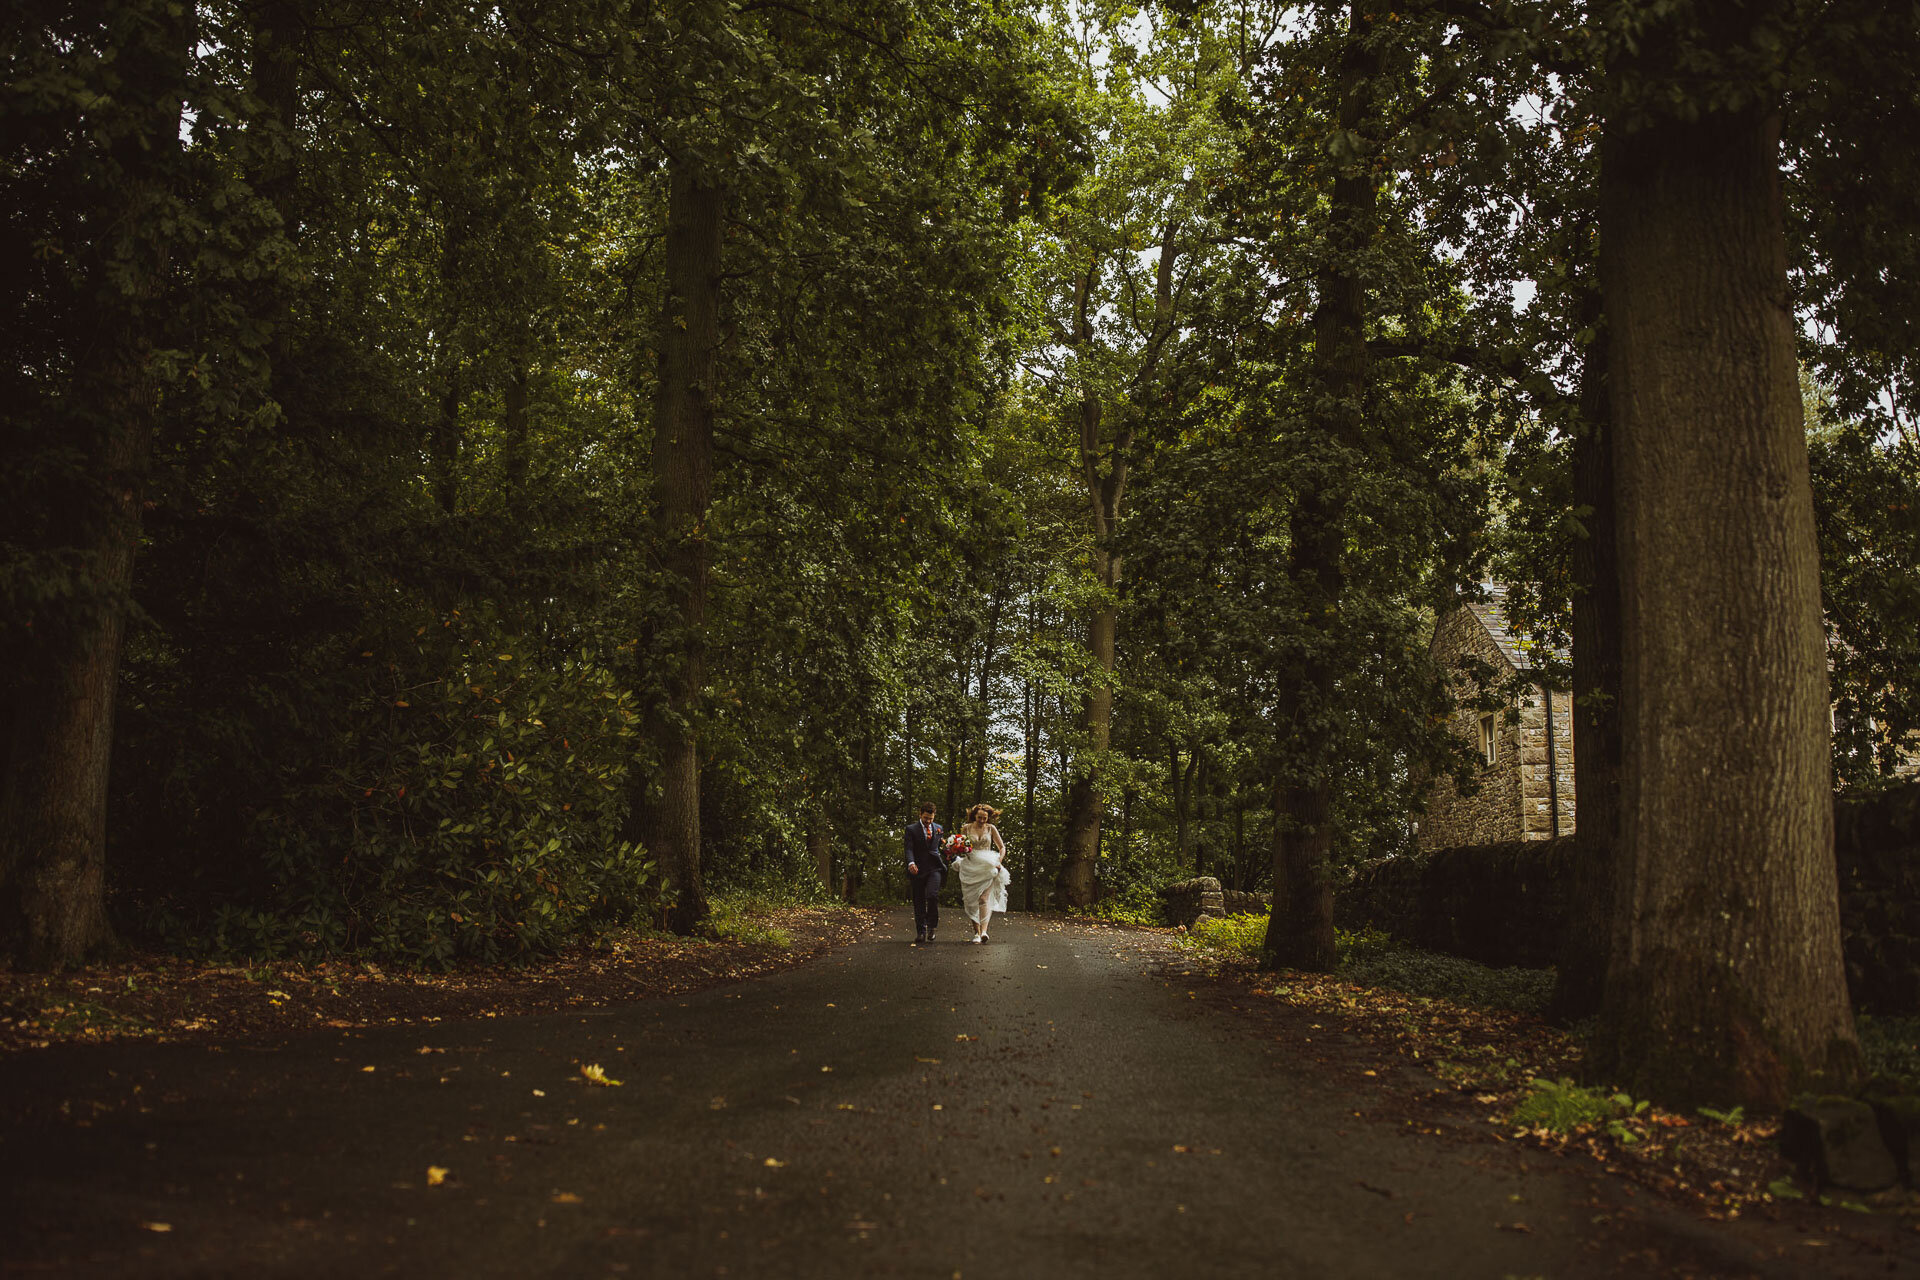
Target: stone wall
(1513, 903)
(1187, 900)
(1238, 902)
(1493, 813)
(1536, 794)
(1517, 798)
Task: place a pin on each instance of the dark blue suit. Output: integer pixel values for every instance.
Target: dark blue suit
(923, 851)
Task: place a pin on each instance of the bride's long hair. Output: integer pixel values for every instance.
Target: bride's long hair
(974, 812)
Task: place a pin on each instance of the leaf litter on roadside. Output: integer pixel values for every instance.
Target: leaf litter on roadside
(169, 997)
(1494, 1060)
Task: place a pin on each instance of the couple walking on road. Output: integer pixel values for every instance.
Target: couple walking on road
(976, 854)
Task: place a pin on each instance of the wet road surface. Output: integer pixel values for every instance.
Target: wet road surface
(1041, 1106)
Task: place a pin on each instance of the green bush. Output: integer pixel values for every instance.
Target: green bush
(1360, 944)
(431, 819)
(1138, 905)
(1242, 934)
(779, 883)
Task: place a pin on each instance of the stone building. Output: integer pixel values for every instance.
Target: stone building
(1525, 748)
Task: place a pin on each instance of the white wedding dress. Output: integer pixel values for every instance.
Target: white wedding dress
(979, 870)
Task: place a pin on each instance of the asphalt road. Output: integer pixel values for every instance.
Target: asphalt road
(1041, 1106)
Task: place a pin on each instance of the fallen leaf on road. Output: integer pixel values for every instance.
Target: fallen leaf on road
(771, 1163)
(595, 1075)
(565, 1197)
(156, 1226)
(1520, 1227)
(918, 1058)
(435, 1175)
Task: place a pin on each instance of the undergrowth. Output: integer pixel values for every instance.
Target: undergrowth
(1891, 1046)
(1563, 1107)
(1370, 958)
(1137, 905)
(735, 917)
(1428, 973)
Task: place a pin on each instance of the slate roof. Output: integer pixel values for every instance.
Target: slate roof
(1492, 614)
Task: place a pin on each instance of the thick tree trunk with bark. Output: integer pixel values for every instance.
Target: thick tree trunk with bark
(53, 808)
(1725, 984)
(1300, 930)
(1596, 689)
(689, 370)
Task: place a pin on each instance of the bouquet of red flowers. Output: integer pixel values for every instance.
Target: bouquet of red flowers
(958, 846)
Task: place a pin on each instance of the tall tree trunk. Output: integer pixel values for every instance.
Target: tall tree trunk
(1032, 727)
(1085, 802)
(53, 797)
(1063, 761)
(1206, 809)
(953, 781)
(1103, 473)
(1180, 784)
(1300, 931)
(820, 846)
(688, 387)
(986, 709)
(1725, 984)
(1596, 690)
(1239, 840)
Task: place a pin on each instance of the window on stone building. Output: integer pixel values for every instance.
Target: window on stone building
(1489, 744)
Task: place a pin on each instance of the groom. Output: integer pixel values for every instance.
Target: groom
(926, 871)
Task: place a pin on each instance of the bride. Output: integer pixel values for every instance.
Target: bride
(983, 875)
